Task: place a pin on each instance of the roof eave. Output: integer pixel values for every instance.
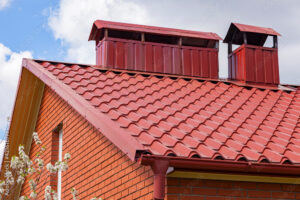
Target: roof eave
(224, 165)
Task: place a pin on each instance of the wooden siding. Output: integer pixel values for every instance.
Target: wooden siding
(23, 120)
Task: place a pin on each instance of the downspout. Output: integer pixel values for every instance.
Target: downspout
(159, 168)
(161, 164)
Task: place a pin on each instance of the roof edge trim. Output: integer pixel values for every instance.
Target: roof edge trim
(109, 129)
(223, 165)
(101, 24)
(255, 29)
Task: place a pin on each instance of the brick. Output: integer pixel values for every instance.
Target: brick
(232, 193)
(218, 184)
(173, 182)
(269, 186)
(260, 194)
(297, 195)
(172, 197)
(99, 170)
(291, 188)
(218, 198)
(189, 197)
(204, 191)
(245, 185)
(192, 182)
(178, 190)
(283, 195)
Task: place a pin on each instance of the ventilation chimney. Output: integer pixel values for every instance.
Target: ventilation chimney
(156, 49)
(252, 62)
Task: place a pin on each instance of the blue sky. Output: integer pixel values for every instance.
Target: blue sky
(25, 28)
(59, 29)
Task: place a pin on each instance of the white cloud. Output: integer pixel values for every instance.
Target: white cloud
(289, 63)
(4, 4)
(2, 146)
(10, 65)
(72, 22)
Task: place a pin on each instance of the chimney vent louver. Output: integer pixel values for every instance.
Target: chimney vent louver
(252, 62)
(156, 49)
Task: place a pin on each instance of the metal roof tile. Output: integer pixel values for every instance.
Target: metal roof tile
(186, 117)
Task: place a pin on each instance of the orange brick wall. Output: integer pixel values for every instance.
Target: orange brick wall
(196, 189)
(97, 168)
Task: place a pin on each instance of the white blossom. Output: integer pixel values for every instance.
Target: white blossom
(43, 148)
(2, 184)
(23, 156)
(36, 138)
(22, 166)
(40, 163)
(54, 196)
(67, 156)
(9, 178)
(15, 162)
(48, 192)
(8, 174)
(20, 180)
(21, 148)
(31, 170)
(61, 165)
(33, 195)
(32, 184)
(64, 166)
(74, 193)
(52, 169)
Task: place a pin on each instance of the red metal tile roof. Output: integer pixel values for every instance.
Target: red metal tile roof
(256, 29)
(184, 117)
(257, 37)
(101, 24)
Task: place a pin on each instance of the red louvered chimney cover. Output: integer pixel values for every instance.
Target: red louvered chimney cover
(156, 49)
(252, 62)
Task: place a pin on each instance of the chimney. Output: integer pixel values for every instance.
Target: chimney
(156, 49)
(251, 62)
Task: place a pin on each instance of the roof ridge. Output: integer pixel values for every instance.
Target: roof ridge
(282, 87)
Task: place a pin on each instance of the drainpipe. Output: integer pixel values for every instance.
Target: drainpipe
(159, 167)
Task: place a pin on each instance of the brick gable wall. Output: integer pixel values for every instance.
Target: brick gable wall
(97, 167)
(196, 189)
